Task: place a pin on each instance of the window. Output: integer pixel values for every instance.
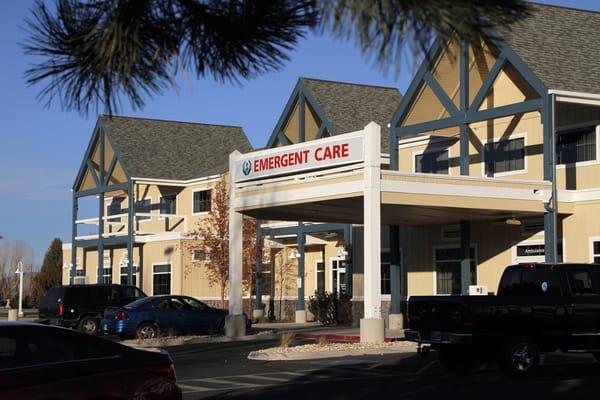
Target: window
(582, 282)
(596, 252)
(530, 282)
(576, 146)
(448, 271)
(200, 255)
(106, 277)
(504, 156)
(338, 276)
(432, 162)
(168, 205)
(320, 276)
(144, 207)
(124, 275)
(79, 278)
(202, 201)
(161, 279)
(386, 272)
(386, 282)
(115, 208)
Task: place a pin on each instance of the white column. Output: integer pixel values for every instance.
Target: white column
(372, 325)
(235, 322)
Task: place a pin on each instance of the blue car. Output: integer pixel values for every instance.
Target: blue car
(154, 316)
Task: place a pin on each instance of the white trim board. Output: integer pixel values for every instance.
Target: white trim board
(464, 190)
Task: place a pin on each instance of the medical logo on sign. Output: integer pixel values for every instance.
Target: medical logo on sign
(314, 155)
(247, 167)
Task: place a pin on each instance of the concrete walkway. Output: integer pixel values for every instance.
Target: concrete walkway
(315, 331)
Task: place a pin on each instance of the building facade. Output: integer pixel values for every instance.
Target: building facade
(493, 161)
(490, 158)
(171, 169)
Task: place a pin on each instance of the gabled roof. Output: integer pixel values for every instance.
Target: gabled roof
(160, 149)
(560, 45)
(351, 106)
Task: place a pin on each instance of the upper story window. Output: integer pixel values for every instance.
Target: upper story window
(576, 146)
(200, 255)
(202, 201)
(143, 206)
(168, 205)
(596, 252)
(115, 208)
(432, 162)
(504, 156)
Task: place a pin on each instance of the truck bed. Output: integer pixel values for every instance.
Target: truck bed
(484, 317)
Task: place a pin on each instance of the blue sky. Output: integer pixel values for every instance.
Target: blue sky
(41, 148)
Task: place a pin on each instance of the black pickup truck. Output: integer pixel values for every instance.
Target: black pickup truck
(539, 308)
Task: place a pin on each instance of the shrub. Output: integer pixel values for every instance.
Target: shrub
(331, 309)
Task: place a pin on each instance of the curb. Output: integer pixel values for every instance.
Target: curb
(210, 339)
(261, 355)
(342, 338)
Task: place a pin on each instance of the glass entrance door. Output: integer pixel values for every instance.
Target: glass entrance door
(338, 276)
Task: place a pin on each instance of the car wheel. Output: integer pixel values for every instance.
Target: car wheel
(519, 356)
(147, 331)
(456, 360)
(88, 325)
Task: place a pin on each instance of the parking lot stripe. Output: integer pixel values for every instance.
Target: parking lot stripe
(227, 382)
(192, 388)
(265, 377)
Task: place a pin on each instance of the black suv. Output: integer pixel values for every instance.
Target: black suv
(82, 306)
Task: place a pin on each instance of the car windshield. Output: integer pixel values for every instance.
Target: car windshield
(193, 303)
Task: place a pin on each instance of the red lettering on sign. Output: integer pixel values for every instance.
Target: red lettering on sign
(299, 157)
(345, 150)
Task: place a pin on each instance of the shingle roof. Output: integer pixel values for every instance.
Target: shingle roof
(350, 106)
(561, 46)
(174, 150)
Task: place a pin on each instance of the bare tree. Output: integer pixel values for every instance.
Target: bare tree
(284, 276)
(11, 253)
(210, 238)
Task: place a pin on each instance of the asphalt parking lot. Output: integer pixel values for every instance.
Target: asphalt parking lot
(222, 371)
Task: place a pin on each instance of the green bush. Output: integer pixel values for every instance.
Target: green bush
(331, 308)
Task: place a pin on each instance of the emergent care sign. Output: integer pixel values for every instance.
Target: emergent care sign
(318, 154)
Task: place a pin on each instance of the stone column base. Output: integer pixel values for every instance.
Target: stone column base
(396, 322)
(372, 330)
(257, 314)
(300, 316)
(12, 315)
(235, 325)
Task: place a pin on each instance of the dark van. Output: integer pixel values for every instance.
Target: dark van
(82, 306)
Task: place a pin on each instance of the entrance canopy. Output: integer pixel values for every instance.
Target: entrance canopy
(332, 190)
(342, 179)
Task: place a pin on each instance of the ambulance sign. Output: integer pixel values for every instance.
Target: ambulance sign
(318, 154)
